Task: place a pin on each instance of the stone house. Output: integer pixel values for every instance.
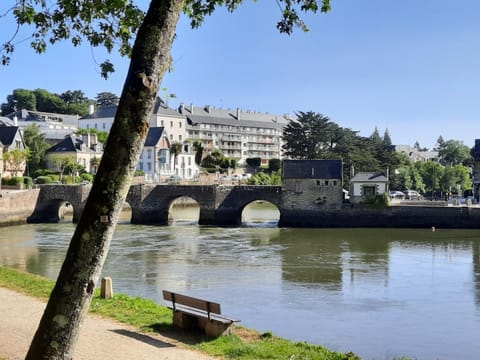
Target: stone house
(11, 138)
(367, 184)
(312, 184)
(84, 150)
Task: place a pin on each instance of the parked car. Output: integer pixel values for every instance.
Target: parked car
(173, 179)
(395, 194)
(412, 195)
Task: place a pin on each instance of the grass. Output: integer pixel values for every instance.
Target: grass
(146, 315)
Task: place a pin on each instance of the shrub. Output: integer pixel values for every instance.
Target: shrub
(86, 177)
(43, 180)
(137, 173)
(28, 181)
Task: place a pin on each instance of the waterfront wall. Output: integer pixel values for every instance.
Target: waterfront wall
(17, 205)
(392, 217)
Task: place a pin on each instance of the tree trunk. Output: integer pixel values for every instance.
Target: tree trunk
(59, 327)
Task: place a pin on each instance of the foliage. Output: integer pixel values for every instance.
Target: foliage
(216, 161)
(139, 173)
(86, 177)
(15, 160)
(69, 102)
(13, 181)
(453, 152)
(378, 201)
(37, 146)
(274, 164)
(262, 178)
(175, 150)
(43, 180)
(254, 162)
(102, 136)
(28, 181)
(105, 99)
(198, 147)
(246, 344)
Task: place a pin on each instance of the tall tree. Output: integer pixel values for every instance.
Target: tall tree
(101, 23)
(105, 99)
(198, 147)
(175, 150)
(309, 136)
(18, 100)
(37, 145)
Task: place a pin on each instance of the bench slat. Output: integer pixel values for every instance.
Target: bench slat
(204, 305)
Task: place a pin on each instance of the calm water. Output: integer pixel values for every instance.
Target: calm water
(378, 293)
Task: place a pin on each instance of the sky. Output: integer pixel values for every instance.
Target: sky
(411, 66)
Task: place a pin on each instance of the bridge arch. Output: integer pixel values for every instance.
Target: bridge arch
(229, 211)
(184, 209)
(260, 213)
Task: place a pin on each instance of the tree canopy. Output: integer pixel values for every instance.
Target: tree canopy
(69, 102)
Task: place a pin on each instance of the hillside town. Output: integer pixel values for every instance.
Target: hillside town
(207, 144)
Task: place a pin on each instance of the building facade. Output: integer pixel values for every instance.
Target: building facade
(237, 134)
(365, 185)
(312, 184)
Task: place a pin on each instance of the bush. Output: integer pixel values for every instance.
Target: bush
(28, 181)
(87, 177)
(12, 181)
(137, 173)
(43, 180)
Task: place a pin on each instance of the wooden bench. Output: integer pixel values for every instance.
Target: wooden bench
(192, 313)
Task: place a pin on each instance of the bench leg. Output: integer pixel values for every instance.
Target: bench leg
(214, 328)
(183, 321)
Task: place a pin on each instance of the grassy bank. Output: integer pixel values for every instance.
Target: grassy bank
(148, 316)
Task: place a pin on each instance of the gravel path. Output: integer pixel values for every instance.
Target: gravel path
(99, 339)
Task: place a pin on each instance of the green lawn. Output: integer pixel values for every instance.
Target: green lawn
(146, 315)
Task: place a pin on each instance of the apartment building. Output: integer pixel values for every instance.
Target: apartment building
(237, 134)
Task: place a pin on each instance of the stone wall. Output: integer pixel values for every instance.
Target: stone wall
(17, 205)
(312, 194)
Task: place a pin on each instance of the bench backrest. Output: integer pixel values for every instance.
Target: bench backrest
(205, 305)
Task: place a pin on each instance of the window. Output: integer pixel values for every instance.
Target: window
(326, 182)
(334, 182)
(96, 126)
(171, 137)
(180, 124)
(141, 165)
(149, 153)
(179, 137)
(171, 124)
(298, 187)
(161, 122)
(318, 182)
(149, 166)
(103, 125)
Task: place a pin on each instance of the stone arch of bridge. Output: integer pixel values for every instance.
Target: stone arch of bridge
(184, 208)
(260, 212)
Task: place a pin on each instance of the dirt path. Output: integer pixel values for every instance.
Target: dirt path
(99, 339)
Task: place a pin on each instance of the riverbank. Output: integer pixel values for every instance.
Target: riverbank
(146, 325)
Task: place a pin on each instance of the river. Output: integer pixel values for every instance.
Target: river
(381, 293)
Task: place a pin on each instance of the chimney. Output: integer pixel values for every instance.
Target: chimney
(91, 109)
(207, 108)
(191, 108)
(180, 108)
(238, 113)
(15, 120)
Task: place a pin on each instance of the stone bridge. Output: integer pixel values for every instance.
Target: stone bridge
(150, 204)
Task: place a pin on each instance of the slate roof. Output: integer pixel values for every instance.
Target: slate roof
(29, 115)
(71, 143)
(212, 115)
(154, 135)
(5, 121)
(7, 134)
(369, 177)
(312, 169)
(160, 108)
(102, 112)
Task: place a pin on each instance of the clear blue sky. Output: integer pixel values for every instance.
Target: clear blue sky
(410, 66)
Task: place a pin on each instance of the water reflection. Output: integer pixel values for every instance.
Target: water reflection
(380, 293)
